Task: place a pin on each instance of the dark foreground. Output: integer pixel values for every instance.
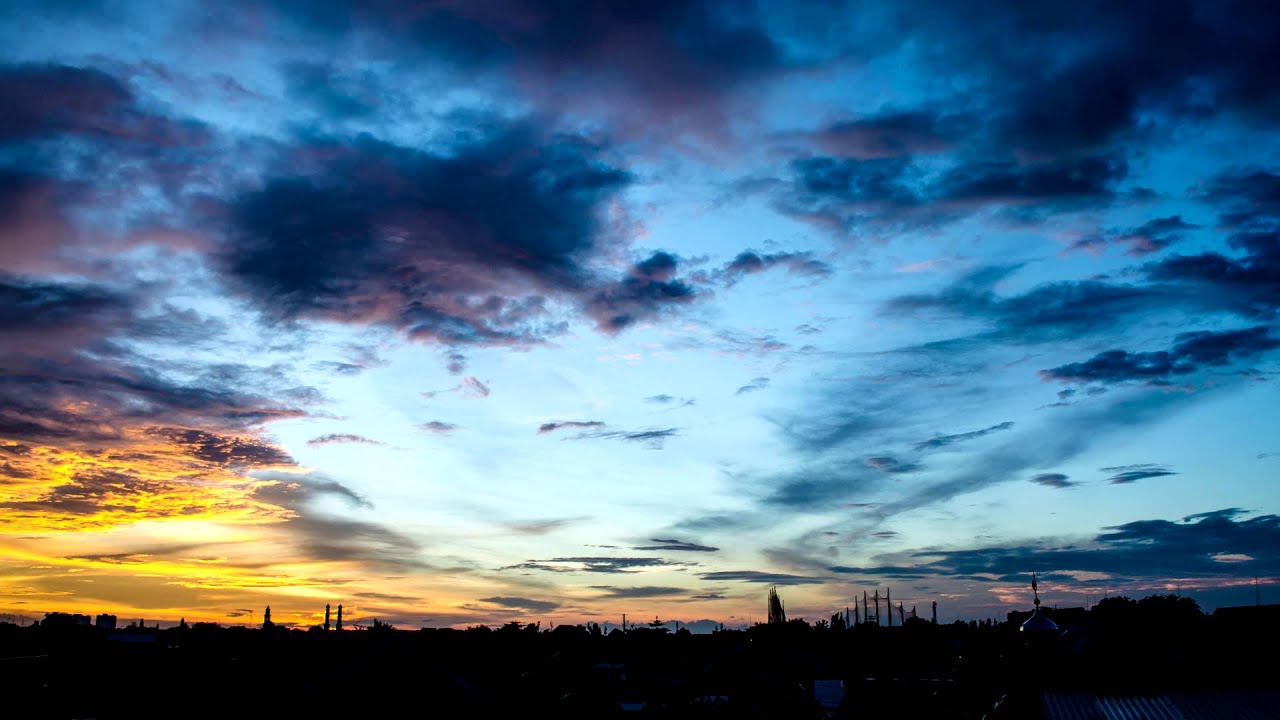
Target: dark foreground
(771, 671)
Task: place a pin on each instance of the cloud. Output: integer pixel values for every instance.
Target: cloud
(749, 262)
(1190, 353)
(469, 386)
(759, 383)
(1045, 313)
(409, 247)
(653, 438)
(596, 564)
(677, 62)
(439, 427)
(522, 603)
(1154, 549)
(889, 465)
(892, 194)
(1146, 239)
(232, 451)
(322, 537)
(1124, 474)
(644, 591)
(342, 439)
(670, 544)
(649, 290)
(554, 426)
(754, 576)
(894, 133)
(1053, 480)
(945, 440)
(542, 527)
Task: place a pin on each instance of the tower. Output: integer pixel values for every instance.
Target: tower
(266, 619)
(776, 612)
(888, 604)
(326, 617)
(935, 612)
(339, 625)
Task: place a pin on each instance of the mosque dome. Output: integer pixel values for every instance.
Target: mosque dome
(1039, 622)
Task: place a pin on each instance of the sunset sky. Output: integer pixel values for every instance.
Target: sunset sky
(470, 312)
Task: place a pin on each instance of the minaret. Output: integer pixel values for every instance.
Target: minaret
(339, 625)
(266, 619)
(877, 599)
(866, 615)
(935, 612)
(889, 605)
(857, 619)
(326, 617)
(777, 615)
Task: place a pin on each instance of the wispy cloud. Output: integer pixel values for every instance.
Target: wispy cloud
(342, 439)
(1125, 474)
(945, 440)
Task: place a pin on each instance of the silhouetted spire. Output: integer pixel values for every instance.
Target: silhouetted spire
(326, 617)
(776, 612)
(339, 625)
(1038, 622)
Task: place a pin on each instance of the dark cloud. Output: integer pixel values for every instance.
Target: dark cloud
(1190, 353)
(667, 59)
(759, 383)
(1125, 474)
(754, 576)
(647, 291)
(458, 248)
(749, 262)
(50, 100)
(671, 544)
(945, 440)
(644, 591)
(596, 564)
(890, 194)
(522, 603)
(1053, 480)
(894, 133)
(342, 439)
(554, 426)
(890, 465)
(225, 450)
(438, 427)
(331, 92)
(1150, 237)
(708, 596)
(652, 438)
(1156, 549)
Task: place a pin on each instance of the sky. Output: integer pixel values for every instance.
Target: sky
(469, 313)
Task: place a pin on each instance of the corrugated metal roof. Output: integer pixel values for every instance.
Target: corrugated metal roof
(1189, 706)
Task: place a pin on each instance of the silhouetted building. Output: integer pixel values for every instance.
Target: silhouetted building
(105, 621)
(777, 614)
(326, 617)
(1038, 622)
(339, 625)
(266, 619)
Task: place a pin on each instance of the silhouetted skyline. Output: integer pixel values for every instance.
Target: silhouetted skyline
(454, 314)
